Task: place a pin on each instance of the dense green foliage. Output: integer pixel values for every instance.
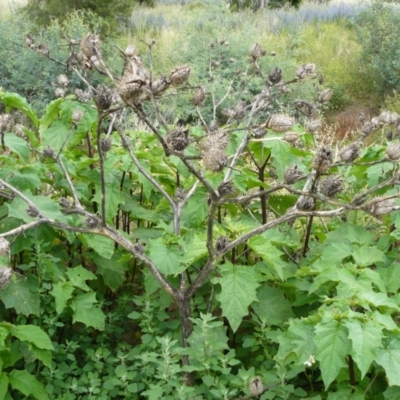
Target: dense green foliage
(205, 239)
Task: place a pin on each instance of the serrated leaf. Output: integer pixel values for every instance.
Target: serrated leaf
(17, 145)
(3, 385)
(112, 271)
(353, 233)
(272, 305)
(33, 334)
(50, 115)
(391, 277)
(377, 300)
(333, 344)
(22, 295)
(167, 258)
(56, 135)
(78, 275)
(195, 250)
(114, 197)
(376, 172)
(26, 383)
(14, 100)
(332, 274)
(87, 311)
(269, 253)
(367, 255)
(100, 244)
(389, 359)
(238, 291)
(366, 339)
(334, 253)
(62, 292)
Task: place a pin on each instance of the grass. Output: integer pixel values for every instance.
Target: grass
(7, 6)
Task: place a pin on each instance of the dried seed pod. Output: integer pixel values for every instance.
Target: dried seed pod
(29, 41)
(226, 188)
(306, 203)
(63, 80)
(6, 123)
(388, 118)
(134, 79)
(272, 173)
(48, 152)
(179, 74)
(43, 49)
(305, 70)
(18, 129)
(73, 60)
(5, 246)
(323, 158)
(259, 132)
(331, 185)
(103, 97)
(159, 85)
(349, 153)
(105, 144)
(5, 276)
(290, 137)
(64, 203)
(92, 221)
(256, 386)
(59, 92)
(83, 96)
(213, 151)
(255, 51)
(178, 139)
(314, 125)
(77, 115)
(393, 151)
(221, 243)
(305, 107)
(368, 128)
(292, 175)
(199, 97)
(325, 96)
(130, 51)
(275, 76)
(380, 206)
(89, 45)
(280, 122)
(180, 194)
(214, 125)
(32, 212)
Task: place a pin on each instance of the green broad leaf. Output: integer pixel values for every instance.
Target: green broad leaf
(62, 292)
(391, 277)
(238, 290)
(333, 344)
(87, 311)
(269, 253)
(45, 356)
(167, 258)
(114, 197)
(353, 233)
(377, 172)
(14, 100)
(3, 385)
(272, 305)
(281, 155)
(389, 359)
(27, 384)
(368, 255)
(17, 145)
(56, 135)
(333, 274)
(196, 209)
(22, 295)
(112, 271)
(374, 278)
(377, 300)
(33, 334)
(100, 244)
(78, 276)
(194, 250)
(366, 338)
(154, 393)
(50, 115)
(334, 253)
(392, 393)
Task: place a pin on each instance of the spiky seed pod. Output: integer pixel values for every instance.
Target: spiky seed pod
(284, 89)
(349, 153)
(6, 123)
(305, 107)
(103, 98)
(5, 246)
(63, 80)
(314, 125)
(256, 386)
(275, 76)
(389, 135)
(323, 158)
(159, 85)
(259, 132)
(29, 41)
(331, 185)
(92, 221)
(215, 64)
(89, 45)
(368, 128)
(305, 70)
(214, 125)
(290, 137)
(255, 51)
(138, 247)
(18, 129)
(180, 194)
(380, 206)
(59, 92)
(280, 122)
(306, 204)
(388, 118)
(226, 188)
(43, 49)
(83, 96)
(292, 175)
(64, 203)
(221, 243)
(178, 139)
(199, 97)
(32, 212)
(48, 152)
(77, 115)
(73, 60)
(213, 151)
(325, 96)
(130, 87)
(179, 74)
(272, 173)
(105, 144)
(393, 151)
(5, 276)
(130, 51)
